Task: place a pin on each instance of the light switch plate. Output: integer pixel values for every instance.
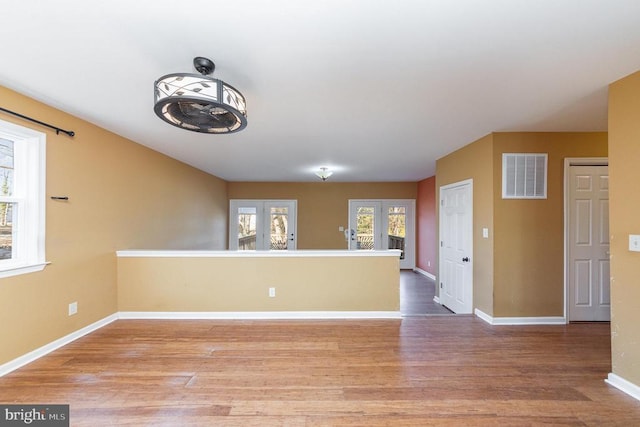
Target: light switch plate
(485, 232)
(634, 242)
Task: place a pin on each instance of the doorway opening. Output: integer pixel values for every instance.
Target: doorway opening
(417, 293)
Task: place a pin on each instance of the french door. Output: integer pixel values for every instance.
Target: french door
(383, 224)
(262, 225)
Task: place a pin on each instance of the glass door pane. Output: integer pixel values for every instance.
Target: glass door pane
(247, 228)
(364, 224)
(365, 227)
(397, 220)
(278, 224)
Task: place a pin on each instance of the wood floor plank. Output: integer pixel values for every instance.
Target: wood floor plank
(419, 371)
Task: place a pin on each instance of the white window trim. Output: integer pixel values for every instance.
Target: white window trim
(32, 237)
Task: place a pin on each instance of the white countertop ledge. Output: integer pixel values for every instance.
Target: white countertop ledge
(255, 254)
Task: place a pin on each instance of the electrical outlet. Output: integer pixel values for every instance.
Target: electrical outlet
(634, 242)
(73, 308)
(272, 292)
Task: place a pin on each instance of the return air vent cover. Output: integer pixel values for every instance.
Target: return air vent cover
(524, 176)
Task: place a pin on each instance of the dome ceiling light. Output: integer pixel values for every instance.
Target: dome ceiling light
(324, 173)
(200, 103)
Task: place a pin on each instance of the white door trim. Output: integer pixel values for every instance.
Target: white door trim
(568, 162)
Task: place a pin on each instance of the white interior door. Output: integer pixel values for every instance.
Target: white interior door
(588, 244)
(456, 247)
(383, 224)
(262, 224)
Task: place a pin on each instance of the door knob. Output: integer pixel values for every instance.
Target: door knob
(465, 259)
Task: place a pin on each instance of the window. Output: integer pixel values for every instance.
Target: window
(22, 204)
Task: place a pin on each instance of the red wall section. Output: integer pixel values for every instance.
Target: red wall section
(426, 226)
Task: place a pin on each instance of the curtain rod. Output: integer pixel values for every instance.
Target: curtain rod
(57, 129)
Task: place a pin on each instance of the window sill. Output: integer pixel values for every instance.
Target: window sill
(22, 269)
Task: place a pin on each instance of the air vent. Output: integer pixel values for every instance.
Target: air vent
(524, 176)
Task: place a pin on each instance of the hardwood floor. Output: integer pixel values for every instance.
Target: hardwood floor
(416, 295)
(419, 371)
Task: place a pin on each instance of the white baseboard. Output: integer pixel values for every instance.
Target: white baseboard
(484, 316)
(436, 299)
(48, 348)
(623, 385)
(550, 320)
(260, 315)
(424, 273)
(616, 381)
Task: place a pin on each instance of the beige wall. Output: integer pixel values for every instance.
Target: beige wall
(322, 206)
(529, 234)
(475, 161)
(624, 173)
(519, 269)
(241, 284)
(121, 195)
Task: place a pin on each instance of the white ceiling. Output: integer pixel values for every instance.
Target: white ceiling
(376, 90)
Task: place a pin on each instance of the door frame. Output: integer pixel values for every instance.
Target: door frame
(261, 220)
(409, 262)
(439, 289)
(568, 162)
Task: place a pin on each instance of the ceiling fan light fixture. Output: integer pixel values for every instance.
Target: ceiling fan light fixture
(324, 173)
(200, 103)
